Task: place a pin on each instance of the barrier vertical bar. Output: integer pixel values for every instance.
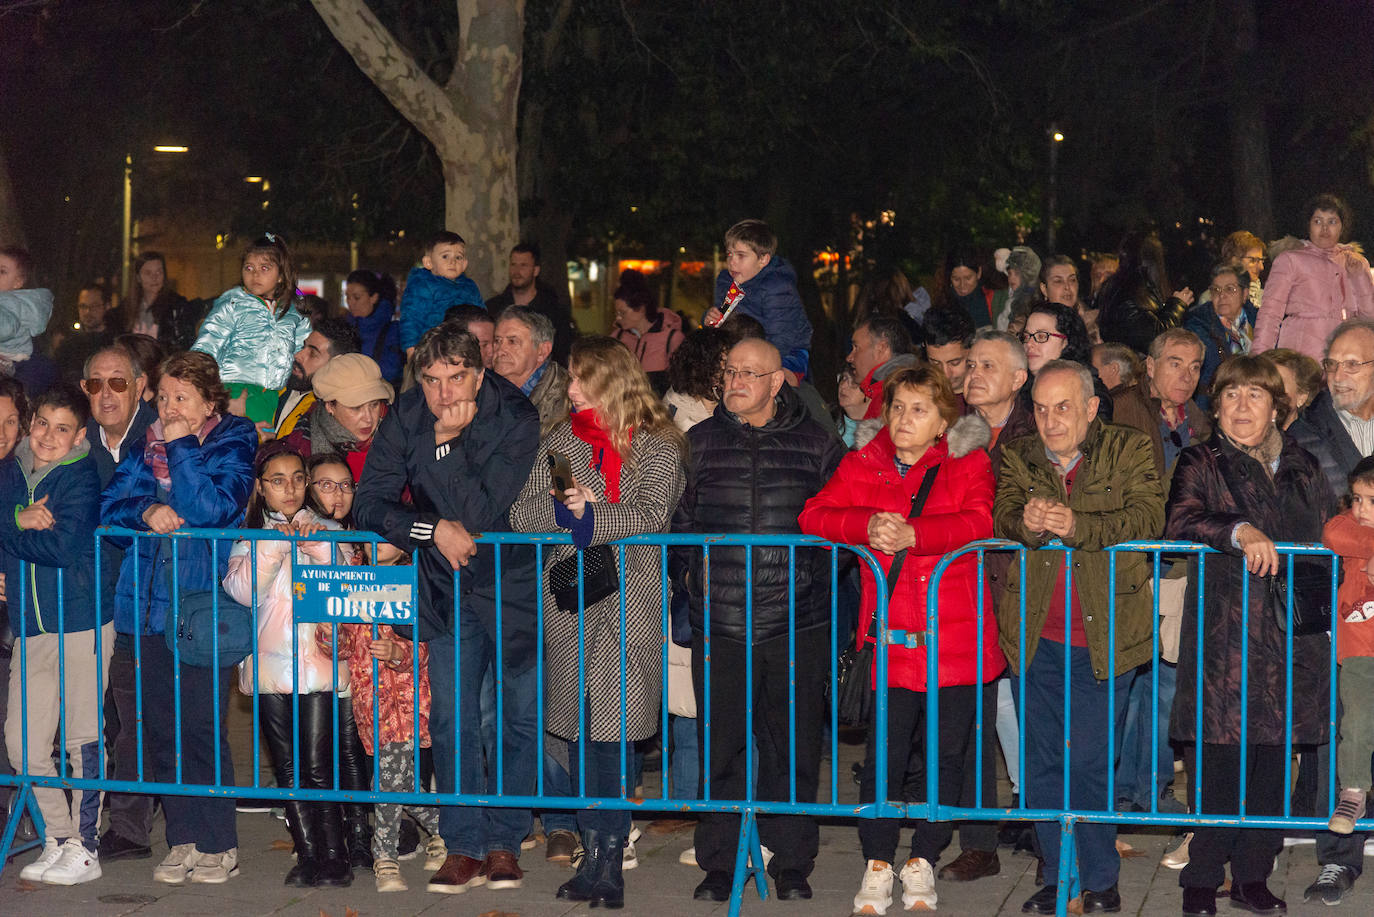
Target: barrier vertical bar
(669, 747)
(1288, 685)
(1154, 686)
(624, 680)
(1107, 805)
(792, 673)
(979, 726)
(214, 654)
(538, 663)
(140, 629)
(174, 590)
(834, 694)
(1197, 685)
(498, 680)
(1244, 685)
(705, 713)
(1333, 704)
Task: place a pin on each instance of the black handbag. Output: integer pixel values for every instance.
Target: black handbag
(854, 669)
(600, 578)
(1311, 590)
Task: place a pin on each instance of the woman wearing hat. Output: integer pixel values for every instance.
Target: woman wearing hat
(351, 398)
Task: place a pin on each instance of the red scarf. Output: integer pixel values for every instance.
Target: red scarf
(589, 428)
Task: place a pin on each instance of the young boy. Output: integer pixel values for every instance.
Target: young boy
(1351, 535)
(24, 311)
(50, 491)
(433, 288)
(759, 282)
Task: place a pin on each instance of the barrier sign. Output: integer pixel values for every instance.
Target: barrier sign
(328, 593)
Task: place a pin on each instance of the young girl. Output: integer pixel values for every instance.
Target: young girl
(291, 661)
(254, 330)
(1351, 535)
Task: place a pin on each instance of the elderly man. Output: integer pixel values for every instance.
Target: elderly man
(1090, 485)
(462, 443)
(521, 351)
(878, 348)
(332, 337)
(525, 289)
(753, 464)
(114, 383)
(1338, 428)
(997, 371)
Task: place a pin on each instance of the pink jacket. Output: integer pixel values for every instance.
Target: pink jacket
(1309, 293)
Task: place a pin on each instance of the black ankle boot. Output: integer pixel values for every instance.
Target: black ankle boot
(609, 891)
(335, 871)
(357, 836)
(1199, 902)
(300, 821)
(582, 887)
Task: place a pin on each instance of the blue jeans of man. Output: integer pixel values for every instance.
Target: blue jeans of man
(1133, 771)
(1090, 756)
(476, 831)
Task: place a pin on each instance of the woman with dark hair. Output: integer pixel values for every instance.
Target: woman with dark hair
(963, 288)
(1316, 286)
(153, 308)
(371, 301)
(196, 471)
(1138, 302)
(1246, 488)
(651, 333)
(694, 376)
(1057, 332)
(149, 354)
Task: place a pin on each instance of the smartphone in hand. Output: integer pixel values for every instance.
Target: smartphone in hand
(560, 469)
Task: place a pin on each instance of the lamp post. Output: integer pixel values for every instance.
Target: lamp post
(1051, 201)
(126, 235)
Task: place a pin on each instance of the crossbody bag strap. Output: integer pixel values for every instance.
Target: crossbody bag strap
(894, 571)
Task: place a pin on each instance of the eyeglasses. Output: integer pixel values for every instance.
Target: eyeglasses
(1041, 337)
(1229, 289)
(1349, 366)
(279, 481)
(116, 384)
(748, 375)
(1251, 259)
(327, 486)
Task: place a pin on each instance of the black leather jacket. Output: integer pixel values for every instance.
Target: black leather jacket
(1136, 314)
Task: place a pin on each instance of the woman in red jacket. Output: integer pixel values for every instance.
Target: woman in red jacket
(869, 501)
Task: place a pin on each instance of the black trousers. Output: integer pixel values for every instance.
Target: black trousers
(794, 839)
(906, 768)
(1251, 851)
(981, 835)
(131, 814)
(316, 743)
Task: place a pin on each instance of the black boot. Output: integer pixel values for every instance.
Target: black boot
(609, 891)
(357, 836)
(300, 821)
(582, 887)
(354, 774)
(335, 871)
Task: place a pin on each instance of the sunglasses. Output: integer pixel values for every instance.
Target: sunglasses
(93, 386)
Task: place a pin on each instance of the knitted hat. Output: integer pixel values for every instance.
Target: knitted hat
(352, 380)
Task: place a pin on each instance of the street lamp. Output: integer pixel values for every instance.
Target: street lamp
(1051, 199)
(126, 237)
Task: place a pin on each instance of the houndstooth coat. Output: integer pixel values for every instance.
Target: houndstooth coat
(651, 483)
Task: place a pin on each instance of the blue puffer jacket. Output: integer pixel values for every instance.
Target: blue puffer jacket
(1202, 320)
(211, 482)
(381, 339)
(72, 487)
(427, 297)
(247, 340)
(771, 297)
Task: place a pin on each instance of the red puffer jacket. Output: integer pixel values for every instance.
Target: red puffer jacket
(957, 511)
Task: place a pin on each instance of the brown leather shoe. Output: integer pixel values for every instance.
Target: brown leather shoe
(970, 865)
(457, 875)
(502, 870)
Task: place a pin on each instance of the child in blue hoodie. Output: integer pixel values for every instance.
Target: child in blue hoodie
(50, 494)
(24, 312)
(432, 289)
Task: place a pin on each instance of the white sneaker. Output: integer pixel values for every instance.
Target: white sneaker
(629, 858)
(76, 865)
(435, 853)
(52, 852)
(388, 874)
(176, 866)
(875, 892)
(688, 857)
(918, 885)
(216, 868)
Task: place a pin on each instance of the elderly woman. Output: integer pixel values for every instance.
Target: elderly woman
(195, 471)
(626, 458)
(1240, 492)
(1316, 286)
(1225, 323)
(870, 500)
(1302, 376)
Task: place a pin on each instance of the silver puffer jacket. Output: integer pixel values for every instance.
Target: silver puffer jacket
(249, 342)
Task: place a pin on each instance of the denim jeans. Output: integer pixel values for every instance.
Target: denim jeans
(475, 831)
(557, 782)
(1133, 770)
(685, 760)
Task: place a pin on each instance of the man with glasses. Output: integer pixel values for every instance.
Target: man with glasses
(1224, 321)
(1338, 428)
(753, 464)
(114, 383)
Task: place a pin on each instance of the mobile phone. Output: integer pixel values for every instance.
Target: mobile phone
(560, 469)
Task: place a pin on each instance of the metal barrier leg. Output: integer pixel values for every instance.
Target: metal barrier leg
(1068, 866)
(748, 863)
(22, 800)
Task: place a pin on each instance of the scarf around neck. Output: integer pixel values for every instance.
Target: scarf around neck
(1266, 452)
(155, 452)
(589, 428)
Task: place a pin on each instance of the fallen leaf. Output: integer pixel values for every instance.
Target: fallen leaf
(282, 845)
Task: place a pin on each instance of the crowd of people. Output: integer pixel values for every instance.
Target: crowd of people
(1022, 410)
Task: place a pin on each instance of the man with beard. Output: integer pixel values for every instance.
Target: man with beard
(525, 290)
(753, 465)
(330, 338)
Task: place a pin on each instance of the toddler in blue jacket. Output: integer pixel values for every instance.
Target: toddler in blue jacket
(433, 289)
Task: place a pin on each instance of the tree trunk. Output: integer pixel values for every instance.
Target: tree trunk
(1253, 176)
(470, 120)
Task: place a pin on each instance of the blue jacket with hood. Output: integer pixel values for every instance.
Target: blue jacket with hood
(427, 297)
(381, 339)
(34, 561)
(771, 297)
(211, 482)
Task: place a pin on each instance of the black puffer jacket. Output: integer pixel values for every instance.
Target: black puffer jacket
(743, 479)
(1135, 313)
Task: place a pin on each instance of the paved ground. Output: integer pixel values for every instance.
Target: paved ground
(659, 887)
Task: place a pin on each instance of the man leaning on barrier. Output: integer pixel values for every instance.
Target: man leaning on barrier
(1090, 485)
(462, 444)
